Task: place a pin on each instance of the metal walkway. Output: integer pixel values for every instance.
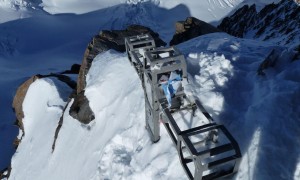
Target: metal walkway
(206, 149)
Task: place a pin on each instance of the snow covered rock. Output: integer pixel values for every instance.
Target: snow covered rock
(43, 106)
(110, 40)
(278, 23)
(191, 28)
(22, 91)
(238, 23)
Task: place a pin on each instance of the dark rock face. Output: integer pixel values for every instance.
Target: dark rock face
(81, 110)
(191, 28)
(110, 40)
(245, 16)
(276, 22)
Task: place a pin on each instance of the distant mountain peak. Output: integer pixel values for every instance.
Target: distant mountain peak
(275, 22)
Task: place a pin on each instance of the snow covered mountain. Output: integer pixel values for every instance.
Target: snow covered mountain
(275, 22)
(17, 9)
(261, 112)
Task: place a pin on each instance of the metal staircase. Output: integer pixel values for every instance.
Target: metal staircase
(206, 149)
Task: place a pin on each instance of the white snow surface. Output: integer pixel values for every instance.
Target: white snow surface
(262, 113)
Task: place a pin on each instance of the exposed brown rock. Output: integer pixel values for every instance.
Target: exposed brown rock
(191, 28)
(85, 66)
(102, 42)
(19, 98)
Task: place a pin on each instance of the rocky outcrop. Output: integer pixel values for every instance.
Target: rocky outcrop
(191, 28)
(245, 16)
(19, 98)
(81, 110)
(275, 22)
(102, 42)
(106, 40)
(21, 93)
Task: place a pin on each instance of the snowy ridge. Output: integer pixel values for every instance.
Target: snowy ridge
(116, 145)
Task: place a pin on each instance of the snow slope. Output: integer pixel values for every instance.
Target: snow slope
(206, 10)
(261, 113)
